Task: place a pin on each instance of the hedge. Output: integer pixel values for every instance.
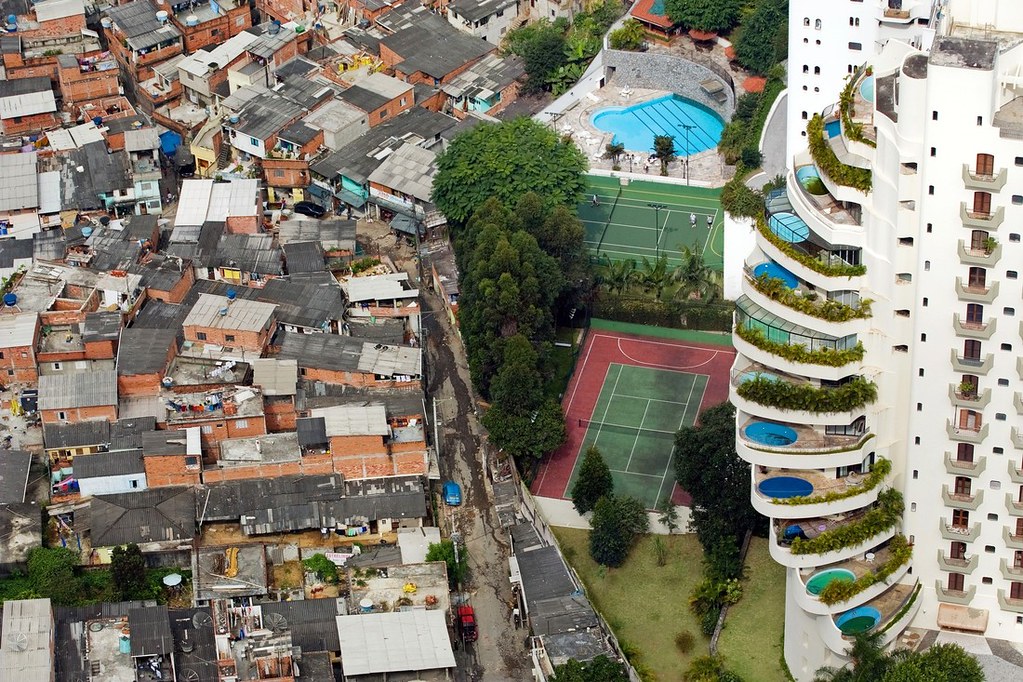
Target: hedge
(786, 395)
(715, 316)
(900, 552)
(876, 477)
(902, 612)
(810, 303)
(797, 352)
(825, 160)
(853, 130)
(815, 264)
(885, 516)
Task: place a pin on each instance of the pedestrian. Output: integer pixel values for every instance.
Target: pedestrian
(710, 221)
(596, 200)
(692, 219)
(646, 167)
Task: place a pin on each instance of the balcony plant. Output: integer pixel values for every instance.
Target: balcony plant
(899, 553)
(824, 158)
(815, 264)
(884, 516)
(990, 244)
(786, 395)
(797, 352)
(968, 390)
(853, 130)
(809, 303)
(875, 478)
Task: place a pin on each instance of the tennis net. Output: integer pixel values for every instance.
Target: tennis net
(631, 430)
(610, 213)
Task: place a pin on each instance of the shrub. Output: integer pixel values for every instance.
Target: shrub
(876, 477)
(825, 268)
(322, 566)
(900, 552)
(796, 352)
(709, 621)
(630, 36)
(684, 641)
(789, 396)
(879, 519)
(853, 130)
(364, 264)
(809, 304)
(740, 201)
(751, 157)
(903, 611)
(826, 161)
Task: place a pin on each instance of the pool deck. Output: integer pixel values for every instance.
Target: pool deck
(707, 166)
(822, 484)
(808, 438)
(858, 565)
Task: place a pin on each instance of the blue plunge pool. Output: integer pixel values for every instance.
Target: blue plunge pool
(833, 128)
(860, 619)
(867, 88)
(783, 487)
(777, 272)
(766, 433)
(635, 126)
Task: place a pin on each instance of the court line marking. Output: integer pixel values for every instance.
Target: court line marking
(656, 400)
(653, 343)
(652, 364)
(634, 473)
(639, 202)
(662, 193)
(607, 407)
(682, 422)
(636, 441)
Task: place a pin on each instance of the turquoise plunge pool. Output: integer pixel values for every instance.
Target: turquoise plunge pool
(635, 126)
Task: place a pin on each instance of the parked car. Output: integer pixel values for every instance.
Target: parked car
(311, 209)
(452, 494)
(467, 623)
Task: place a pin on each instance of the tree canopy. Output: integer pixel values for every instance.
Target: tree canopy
(664, 151)
(707, 466)
(704, 15)
(594, 481)
(761, 42)
(51, 572)
(445, 551)
(630, 36)
(600, 669)
(870, 663)
(504, 161)
(613, 528)
(128, 569)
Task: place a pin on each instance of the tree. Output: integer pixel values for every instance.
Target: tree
(614, 151)
(704, 15)
(664, 151)
(504, 161)
(517, 387)
(695, 278)
(613, 528)
(707, 466)
(445, 551)
(655, 275)
(669, 514)
(630, 36)
(128, 568)
(600, 669)
(527, 436)
(542, 48)
(620, 274)
(594, 481)
(322, 567)
(51, 572)
(870, 663)
(757, 47)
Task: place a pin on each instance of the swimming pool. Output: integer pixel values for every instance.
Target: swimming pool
(784, 487)
(776, 271)
(860, 619)
(635, 126)
(767, 433)
(867, 88)
(789, 227)
(816, 584)
(753, 375)
(833, 128)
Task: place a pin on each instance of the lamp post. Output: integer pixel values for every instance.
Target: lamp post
(657, 227)
(687, 127)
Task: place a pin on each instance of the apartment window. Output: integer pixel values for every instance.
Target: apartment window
(201, 336)
(806, 68)
(1017, 559)
(191, 461)
(804, 115)
(854, 21)
(998, 450)
(980, 120)
(930, 190)
(905, 241)
(902, 313)
(1008, 312)
(1019, 528)
(982, 203)
(960, 518)
(383, 114)
(974, 313)
(1011, 274)
(970, 420)
(206, 428)
(934, 117)
(62, 416)
(1006, 346)
(1003, 382)
(817, 24)
(1019, 160)
(816, 70)
(806, 21)
(920, 372)
(969, 384)
(229, 337)
(999, 417)
(977, 238)
(901, 348)
(56, 366)
(1017, 199)
(855, 46)
(934, 150)
(964, 451)
(930, 228)
(992, 517)
(957, 550)
(977, 278)
(956, 582)
(926, 300)
(923, 337)
(963, 486)
(985, 164)
(916, 441)
(242, 423)
(916, 472)
(1015, 590)
(919, 407)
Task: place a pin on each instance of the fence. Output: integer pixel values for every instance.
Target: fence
(672, 314)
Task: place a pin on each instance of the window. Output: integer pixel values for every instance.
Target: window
(1015, 590)
(919, 407)
(854, 21)
(383, 114)
(56, 366)
(191, 461)
(201, 336)
(402, 101)
(974, 313)
(817, 24)
(956, 582)
(977, 278)
(806, 68)
(806, 21)
(215, 32)
(963, 486)
(1013, 237)
(230, 337)
(977, 238)
(1006, 346)
(926, 300)
(930, 228)
(804, 115)
(206, 428)
(992, 517)
(920, 372)
(923, 337)
(971, 349)
(278, 173)
(964, 452)
(960, 518)
(999, 417)
(1011, 274)
(1017, 199)
(957, 550)
(1008, 312)
(816, 70)
(901, 348)
(905, 241)
(980, 120)
(1017, 559)
(240, 21)
(934, 117)
(982, 203)
(855, 46)
(985, 164)
(134, 483)
(62, 416)
(934, 151)
(1003, 382)
(254, 142)
(930, 190)
(970, 420)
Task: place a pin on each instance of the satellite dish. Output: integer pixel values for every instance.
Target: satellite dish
(17, 641)
(202, 620)
(276, 622)
(189, 675)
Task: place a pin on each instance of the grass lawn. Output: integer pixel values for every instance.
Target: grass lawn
(751, 639)
(563, 360)
(645, 604)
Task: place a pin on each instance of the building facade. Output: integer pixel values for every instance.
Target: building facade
(875, 374)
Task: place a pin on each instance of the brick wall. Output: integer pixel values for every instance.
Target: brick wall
(177, 292)
(282, 10)
(391, 109)
(280, 413)
(79, 86)
(164, 470)
(311, 465)
(136, 385)
(286, 172)
(101, 350)
(79, 414)
(216, 30)
(249, 224)
(18, 364)
(56, 28)
(357, 379)
(221, 428)
(246, 340)
(17, 66)
(30, 124)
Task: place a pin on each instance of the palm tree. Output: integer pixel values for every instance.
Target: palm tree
(664, 151)
(614, 151)
(655, 275)
(620, 274)
(695, 278)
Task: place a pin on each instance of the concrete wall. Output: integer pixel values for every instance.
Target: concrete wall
(659, 71)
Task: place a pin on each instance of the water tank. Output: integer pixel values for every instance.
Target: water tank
(105, 22)
(275, 27)
(223, 311)
(86, 231)
(162, 15)
(97, 121)
(10, 300)
(12, 23)
(167, 382)
(191, 20)
(299, 29)
(104, 220)
(234, 118)
(231, 294)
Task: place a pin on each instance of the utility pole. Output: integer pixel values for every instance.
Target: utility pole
(436, 432)
(657, 227)
(687, 127)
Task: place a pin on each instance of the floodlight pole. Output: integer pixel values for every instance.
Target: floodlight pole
(657, 225)
(687, 127)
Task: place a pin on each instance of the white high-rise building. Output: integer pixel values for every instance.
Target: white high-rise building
(878, 381)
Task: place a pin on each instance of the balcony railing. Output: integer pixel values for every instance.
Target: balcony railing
(984, 183)
(1015, 473)
(1011, 540)
(1011, 573)
(962, 500)
(984, 221)
(958, 467)
(1016, 437)
(954, 596)
(963, 434)
(1015, 507)
(1009, 603)
(979, 366)
(971, 256)
(959, 533)
(956, 565)
(972, 399)
(975, 293)
(974, 330)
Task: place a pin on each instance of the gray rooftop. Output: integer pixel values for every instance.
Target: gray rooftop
(349, 354)
(491, 75)
(304, 257)
(394, 642)
(154, 515)
(312, 431)
(275, 376)
(311, 622)
(14, 250)
(374, 91)
(435, 47)
(19, 185)
(963, 53)
(144, 351)
(241, 314)
(101, 326)
(474, 10)
(150, 631)
(101, 464)
(332, 234)
(14, 466)
(76, 435)
(78, 389)
(311, 304)
(29, 623)
(409, 170)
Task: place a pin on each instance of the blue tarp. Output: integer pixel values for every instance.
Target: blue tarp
(169, 142)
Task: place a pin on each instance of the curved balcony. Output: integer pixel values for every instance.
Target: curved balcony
(970, 256)
(981, 221)
(984, 183)
(825, 216)
(976, 294)
(760, 293)
(808, 369)
(961, 434)
(908, 11)
(813, 449)
(961, 500)
(957, 467)
(958, 533)
(973, 400)
(857, 486)
(957, 564)
(859, 566)
(769, 409)
(979, 366)
(783, 533)
(892, 607)
(974, 330)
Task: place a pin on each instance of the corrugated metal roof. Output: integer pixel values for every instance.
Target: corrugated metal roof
(378, 288)
(78, 389)
(27, 104)
(145, 139)
(274, 376)
(154, 515)
(150, 631)
(343, 420)
(144, 351)
(311, 431)
(19, 186)
(304, 257)
(100, 464)
(26, 654)
(410, 170)
(58, 9)
(391, 361)
(402, 641)
(242, 314)
(18, 330)
(49, 192)
(14, 466)
(76, 435)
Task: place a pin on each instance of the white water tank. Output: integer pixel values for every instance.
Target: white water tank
(162, 16)
(191, 20)
(105, 22)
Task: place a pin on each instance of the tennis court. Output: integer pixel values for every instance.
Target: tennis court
(645, 219)
(634, 423)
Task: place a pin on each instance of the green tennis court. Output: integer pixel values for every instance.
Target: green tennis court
(626, 225)
(634, 423)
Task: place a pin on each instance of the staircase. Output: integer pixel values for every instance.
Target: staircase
(224, 159)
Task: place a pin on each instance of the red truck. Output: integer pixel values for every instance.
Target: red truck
(467, 623)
